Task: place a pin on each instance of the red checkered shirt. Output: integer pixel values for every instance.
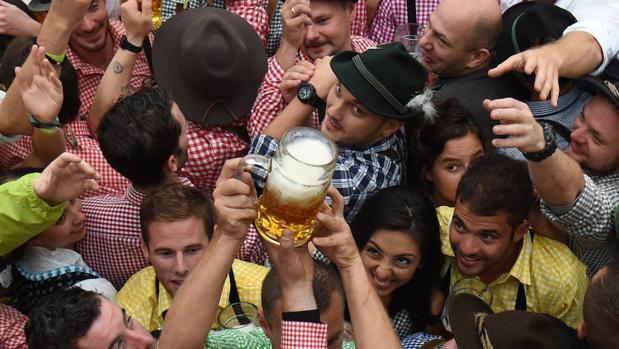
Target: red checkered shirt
(252, 249)
(209, 148)
(89, 76)
(392, 13)
(359, 24)
(306, 335)
(112, 243)
(12, 323)
(270, 102)
(80, 143)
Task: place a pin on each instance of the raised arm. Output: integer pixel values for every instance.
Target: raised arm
(15, 22)
(296, 16)
(371, 325)
(117, 76)
(43, 99)
(234, 203)
(575, 54)
(61, 20)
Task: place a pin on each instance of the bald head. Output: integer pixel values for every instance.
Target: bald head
(480, 20)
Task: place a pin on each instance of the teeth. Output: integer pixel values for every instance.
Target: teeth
(381, 283)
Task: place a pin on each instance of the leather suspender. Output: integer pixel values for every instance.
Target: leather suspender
(411, 9)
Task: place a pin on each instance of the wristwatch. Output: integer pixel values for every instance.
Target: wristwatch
(551, 145)
(307, 95)
(126, 45)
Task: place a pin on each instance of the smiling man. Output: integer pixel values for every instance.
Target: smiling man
(177, 225)
(489, 239)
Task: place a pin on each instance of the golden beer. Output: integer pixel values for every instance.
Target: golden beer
(301, 172)
(157, 17)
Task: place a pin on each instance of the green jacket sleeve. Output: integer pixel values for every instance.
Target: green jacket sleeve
(22, 214)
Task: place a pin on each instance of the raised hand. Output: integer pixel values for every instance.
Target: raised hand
(137, 20)
(518, 123)
(332, 234)
(324, 78)
(15, 22)
(294, 78)
(64, 179)
(42, 95)
(296, 16)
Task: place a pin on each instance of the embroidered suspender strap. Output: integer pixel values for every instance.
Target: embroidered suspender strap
(235, 300)
(378, 86)
(411, 10)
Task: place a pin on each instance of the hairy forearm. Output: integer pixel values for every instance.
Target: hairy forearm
(294, 115)
(188, 323)
(371, 325)
(116, 78)
(580, 54)
(558, 179)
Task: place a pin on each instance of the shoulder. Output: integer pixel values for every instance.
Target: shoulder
(141, 284)
(554, 260)
(246, 268)
(361, 43)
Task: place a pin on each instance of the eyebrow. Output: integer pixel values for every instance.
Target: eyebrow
(400, 255)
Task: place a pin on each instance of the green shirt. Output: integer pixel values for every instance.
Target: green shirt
(23, 215)
(254, 339)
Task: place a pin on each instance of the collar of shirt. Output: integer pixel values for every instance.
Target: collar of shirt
(133, 196)
(115, 29)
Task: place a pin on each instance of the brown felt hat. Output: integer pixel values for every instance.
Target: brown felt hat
(213, 63)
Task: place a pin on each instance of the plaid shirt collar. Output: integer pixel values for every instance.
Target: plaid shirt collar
(383, 145)
(133, 196)
(115, 30)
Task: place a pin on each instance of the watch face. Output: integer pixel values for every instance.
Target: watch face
(305, 92)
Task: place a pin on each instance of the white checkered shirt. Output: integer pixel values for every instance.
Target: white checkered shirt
(270, 102)
(589, 222)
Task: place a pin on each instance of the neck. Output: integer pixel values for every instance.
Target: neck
(99, 58)
(491, 276)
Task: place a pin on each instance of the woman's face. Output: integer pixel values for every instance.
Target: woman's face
(391, 258)
(68, 230)
(447, 170)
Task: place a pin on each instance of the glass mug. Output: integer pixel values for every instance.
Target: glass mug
(241, 316)
(157, 15)
(298, 178)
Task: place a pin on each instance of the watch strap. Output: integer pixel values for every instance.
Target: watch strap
(551, 145)
(314, 100)
(126, 45)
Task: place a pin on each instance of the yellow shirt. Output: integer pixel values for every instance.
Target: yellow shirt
(554, 279)
(139, 295)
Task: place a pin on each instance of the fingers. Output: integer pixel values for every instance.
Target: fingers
(64, 160)
(229, 169)
(513, 63)
(147, 8)
(337, 200)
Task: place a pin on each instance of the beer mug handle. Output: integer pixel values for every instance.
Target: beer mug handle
(251, 160)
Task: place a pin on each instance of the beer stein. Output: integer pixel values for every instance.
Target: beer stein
(298, 178)
(157, 15)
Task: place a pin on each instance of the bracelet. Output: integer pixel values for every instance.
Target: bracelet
(56, 59)
(126, 45)
(551, 145)
(45, 127)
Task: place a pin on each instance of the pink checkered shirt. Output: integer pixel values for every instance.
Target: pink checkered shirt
(359, 24)
(112, 243)
(270, 102)
(392, 13)
(306, 335)
(252, 249)
(89, 76)
(12, 323)
(209, 148)
(79, 142)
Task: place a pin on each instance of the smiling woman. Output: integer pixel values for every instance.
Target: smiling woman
(397, 233)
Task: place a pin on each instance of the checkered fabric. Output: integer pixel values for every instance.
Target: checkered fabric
(252, 249)
(392, 13)
(89, 76)
(12, 324)
(79, 142)
(402, 323)
(139, 295)
(112, 243)
(589, 222)
(307, 335)
(252, 11)
(208, 149)
(417, 340)
(561, 119)
(555, 281)
(270, 102)
(359, 173)
(275, 29)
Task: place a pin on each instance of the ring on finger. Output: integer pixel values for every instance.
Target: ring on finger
(294, 13)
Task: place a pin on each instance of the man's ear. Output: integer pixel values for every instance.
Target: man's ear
(425, 173)
(263, 323)
(351, 10)
(478, 59)
(390, 127)
(144, 249)
(521, 230)
(172, 164)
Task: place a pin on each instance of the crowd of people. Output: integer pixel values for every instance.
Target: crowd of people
(474, 201)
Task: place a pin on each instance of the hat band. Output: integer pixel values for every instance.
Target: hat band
(369, 77)
(613, 89)
(514, 39)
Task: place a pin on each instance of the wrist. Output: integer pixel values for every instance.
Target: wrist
(126, 45)
(300, 297)
(286, 54)
(136, 40)
(544, 148)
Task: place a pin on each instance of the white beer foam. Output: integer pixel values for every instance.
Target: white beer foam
(293, 181)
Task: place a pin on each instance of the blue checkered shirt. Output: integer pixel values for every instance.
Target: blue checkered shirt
(417, 340)
(359, 172)
(561, 118)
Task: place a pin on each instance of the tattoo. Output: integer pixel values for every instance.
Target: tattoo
(117, 67)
